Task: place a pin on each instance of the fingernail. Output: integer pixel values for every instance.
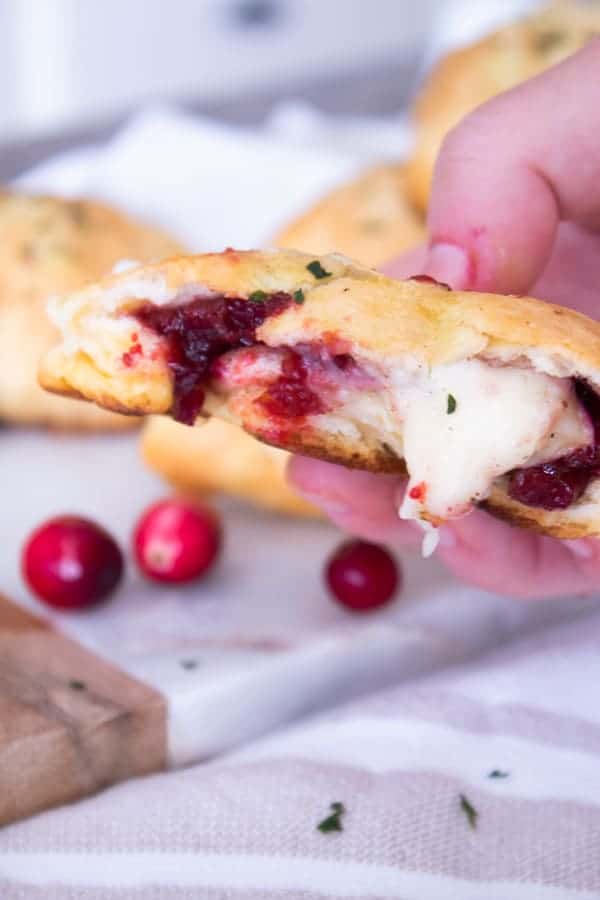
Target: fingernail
(580, 548)
(447, 538)
(448, 263)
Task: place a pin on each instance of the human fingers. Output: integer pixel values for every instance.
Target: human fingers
(510, 172)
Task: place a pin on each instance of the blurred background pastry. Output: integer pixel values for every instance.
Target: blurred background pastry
(369, 219)
(467, 77)
(381, 213)
(49, 245)
(221, 458)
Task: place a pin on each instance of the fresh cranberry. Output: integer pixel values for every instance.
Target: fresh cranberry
(427, 279)
(362, 576)
(200, 331)
(176, 541)
(70, 562)
(289, 397)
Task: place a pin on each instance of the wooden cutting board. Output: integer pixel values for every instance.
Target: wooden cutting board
(70, 723)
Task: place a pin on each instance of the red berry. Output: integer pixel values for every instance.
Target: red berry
(71, 563)
(175, 541)
(362, 576)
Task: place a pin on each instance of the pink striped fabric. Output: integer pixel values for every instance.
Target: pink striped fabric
(244, 827)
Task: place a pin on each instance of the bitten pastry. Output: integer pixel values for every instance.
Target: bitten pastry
(472, 75)
(221, 457)
(49, 244)
(481, 398)
(369, 219)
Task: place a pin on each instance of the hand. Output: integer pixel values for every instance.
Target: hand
(515, 208)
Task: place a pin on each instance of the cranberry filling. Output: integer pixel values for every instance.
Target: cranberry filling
(344, 361)
(129, 358)
(289, 396)
(558, 484)
(203, 330)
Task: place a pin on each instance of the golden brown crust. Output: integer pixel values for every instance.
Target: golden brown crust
(369, 219)
(50, 245)
(220, 457)
(381, 322)
(378, 316)
(377, 457)
(472, 75)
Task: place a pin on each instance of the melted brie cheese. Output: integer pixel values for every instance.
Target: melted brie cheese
(504, 418)
(431, 538)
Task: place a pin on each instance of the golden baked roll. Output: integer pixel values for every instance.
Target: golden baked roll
(51, 245)
(481, 398)
(220, 457)
(369, 219)
(470, 76)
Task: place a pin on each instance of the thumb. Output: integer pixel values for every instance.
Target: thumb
(510, 172)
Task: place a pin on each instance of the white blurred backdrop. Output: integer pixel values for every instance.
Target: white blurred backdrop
(71, 62)
(63, 61)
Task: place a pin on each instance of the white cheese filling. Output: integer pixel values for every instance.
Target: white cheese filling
(431, 538)
(467, 423)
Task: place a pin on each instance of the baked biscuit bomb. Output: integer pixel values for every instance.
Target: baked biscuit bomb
(479, 398)
(52, 245)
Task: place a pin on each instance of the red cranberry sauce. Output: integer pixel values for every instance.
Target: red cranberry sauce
(289, 396)
(344, 361)
(135, 351)
(200, 331)
(558, 484)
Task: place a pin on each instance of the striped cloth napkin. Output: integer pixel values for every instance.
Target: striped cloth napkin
(482, 782)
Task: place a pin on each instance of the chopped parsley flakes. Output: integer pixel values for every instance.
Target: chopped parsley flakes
(333, 822)
(298, 297)
(316, 269)
(76, 685)
(451, 407)
(257, 296)
(469, 810)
